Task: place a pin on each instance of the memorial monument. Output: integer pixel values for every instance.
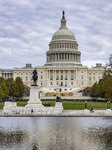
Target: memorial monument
(34, 104)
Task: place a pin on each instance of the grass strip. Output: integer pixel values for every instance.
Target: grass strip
(21, 103)
(76, 105)
(48, 103)
(1, 105)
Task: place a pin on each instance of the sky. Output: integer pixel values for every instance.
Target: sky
(27, 27)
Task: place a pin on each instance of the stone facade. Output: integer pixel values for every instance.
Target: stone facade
(63, 68)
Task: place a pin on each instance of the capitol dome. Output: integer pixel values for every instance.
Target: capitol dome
(63, 48)
(63, 34)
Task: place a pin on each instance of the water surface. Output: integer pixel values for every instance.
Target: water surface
(56, 133)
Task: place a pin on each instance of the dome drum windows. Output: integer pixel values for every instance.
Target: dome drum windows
(72, 75)
(62, 46)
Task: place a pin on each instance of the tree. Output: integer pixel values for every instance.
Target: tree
(1, 93)
(15, 90)
(1, 80)
(9, 84)
(95, 90)
(103, 88)
(3, 88)
(108, 86)
(20, 85)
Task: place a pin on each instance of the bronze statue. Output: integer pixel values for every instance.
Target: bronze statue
(63, 15)
(34, 77)
(58, 99)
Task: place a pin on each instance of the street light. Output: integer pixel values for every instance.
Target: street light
(85, 104)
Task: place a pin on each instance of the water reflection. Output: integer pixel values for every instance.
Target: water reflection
(53, 133)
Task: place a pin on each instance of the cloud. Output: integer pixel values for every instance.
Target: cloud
(27, 27)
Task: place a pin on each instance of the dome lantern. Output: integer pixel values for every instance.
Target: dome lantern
(63, 21)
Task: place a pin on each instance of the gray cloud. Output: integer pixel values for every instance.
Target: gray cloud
(26, 28)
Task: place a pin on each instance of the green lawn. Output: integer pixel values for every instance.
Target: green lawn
(21, 103)
(49, 103)
(81, 105)
(73, 105)
(97, 105)
(67, 104)
(1, 105)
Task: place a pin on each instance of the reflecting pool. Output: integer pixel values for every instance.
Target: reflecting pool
(55, 133)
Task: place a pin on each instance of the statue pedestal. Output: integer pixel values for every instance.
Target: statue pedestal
(58, 107)
(9, 107)
(34, 103)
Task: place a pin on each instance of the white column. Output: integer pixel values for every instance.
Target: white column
(55, 58)
(72, 57)
(59, 74)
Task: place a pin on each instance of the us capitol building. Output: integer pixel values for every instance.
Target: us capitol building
(63, 68)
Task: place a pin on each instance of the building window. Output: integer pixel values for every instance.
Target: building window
(26, 78)
(41, 83)
(72, 77)
(65, 83)
(51, 83)
(99, 78)
(57, 77)
(89, 78)
(65, 76)
(62, 56)
(94, 78)
(51, 78)
(26, 74)
(61, 77)
(71, 83)
(82, 83)
(81, 77)
(57, 83)
(41, 77)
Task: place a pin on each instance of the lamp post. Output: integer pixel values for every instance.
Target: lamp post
(85, 104)
(107, 105)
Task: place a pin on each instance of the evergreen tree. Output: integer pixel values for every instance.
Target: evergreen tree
(1, 93)
(95, 90)
(108, 86)
(103, 88)
(20, 85)
(9, 84)
(15, 90)
(3, 88)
